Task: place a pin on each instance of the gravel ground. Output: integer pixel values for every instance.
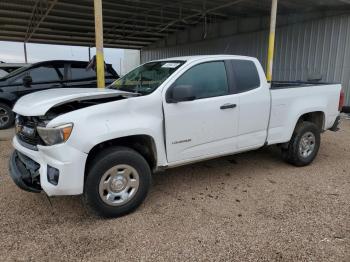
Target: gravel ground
(249, 207)
(6, 134)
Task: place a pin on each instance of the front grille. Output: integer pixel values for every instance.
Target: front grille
(26, 131)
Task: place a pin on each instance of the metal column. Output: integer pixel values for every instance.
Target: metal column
(100, 67)
(272, 40)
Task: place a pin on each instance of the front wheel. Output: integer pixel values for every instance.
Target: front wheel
(117, 182)
(304, 145)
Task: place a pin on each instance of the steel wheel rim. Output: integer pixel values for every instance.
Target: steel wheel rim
(4, 116)
(307, 144)
(119, 185)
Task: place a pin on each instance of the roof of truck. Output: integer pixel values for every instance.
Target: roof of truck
(201, 57)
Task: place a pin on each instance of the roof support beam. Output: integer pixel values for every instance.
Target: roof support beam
(164, 17)
(40, 11)
(163, 27)
(40, 40)
(85, 39)
(130, 24)
(186, 6)
(74, 16)
(69, 27)
(199, 13)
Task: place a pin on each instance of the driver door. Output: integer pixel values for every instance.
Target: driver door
(208, 125)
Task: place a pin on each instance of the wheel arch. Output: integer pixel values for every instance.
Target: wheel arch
(7, 102)
(143, 144)
(316, 117)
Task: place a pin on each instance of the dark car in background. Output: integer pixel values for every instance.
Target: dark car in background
(46, 75)
(6, 68)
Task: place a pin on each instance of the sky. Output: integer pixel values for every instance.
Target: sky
(14, 52)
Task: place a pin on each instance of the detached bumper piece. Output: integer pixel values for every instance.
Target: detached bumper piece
(25, 172)
(336, 124)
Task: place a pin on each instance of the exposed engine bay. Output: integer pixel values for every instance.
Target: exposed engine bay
(78, 104)
(26, 125)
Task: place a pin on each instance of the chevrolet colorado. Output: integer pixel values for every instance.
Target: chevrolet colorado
(105, 143)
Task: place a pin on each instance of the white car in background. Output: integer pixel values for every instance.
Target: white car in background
(105, 143)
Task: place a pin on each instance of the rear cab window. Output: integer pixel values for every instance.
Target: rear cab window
(245, 75)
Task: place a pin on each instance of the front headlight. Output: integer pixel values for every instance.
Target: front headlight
(55, 135)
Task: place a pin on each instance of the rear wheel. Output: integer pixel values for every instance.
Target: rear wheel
(304, 145)
(7, 117)
(117, 183)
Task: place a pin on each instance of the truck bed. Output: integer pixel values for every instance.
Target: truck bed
(291, 100)
(296, 84)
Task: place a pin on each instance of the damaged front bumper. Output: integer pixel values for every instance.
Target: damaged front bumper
(37, 171)
(25, 172)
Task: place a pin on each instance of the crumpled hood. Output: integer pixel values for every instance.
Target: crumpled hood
(38, 103)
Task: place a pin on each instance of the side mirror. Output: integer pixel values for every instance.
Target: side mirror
(27, 81)
(180, 93)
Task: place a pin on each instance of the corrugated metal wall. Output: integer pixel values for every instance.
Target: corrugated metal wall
(319, 47)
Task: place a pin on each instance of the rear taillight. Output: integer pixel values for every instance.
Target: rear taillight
(341, 100)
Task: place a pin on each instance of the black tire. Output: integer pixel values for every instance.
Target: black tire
(106, 160)
(7, 116)
(292, 154)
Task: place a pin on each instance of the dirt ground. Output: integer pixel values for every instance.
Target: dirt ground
(249, 207)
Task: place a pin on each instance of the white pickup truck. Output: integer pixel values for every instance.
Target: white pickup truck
(105, 143)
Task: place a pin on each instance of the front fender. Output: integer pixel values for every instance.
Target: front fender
(104, 122)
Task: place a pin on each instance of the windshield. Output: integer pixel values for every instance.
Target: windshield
(15, 72)
(146, 78)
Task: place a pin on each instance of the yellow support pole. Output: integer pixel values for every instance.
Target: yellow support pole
(100, 66)
(272, 40)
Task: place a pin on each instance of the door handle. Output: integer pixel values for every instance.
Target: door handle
(228, 106)
(56, 86)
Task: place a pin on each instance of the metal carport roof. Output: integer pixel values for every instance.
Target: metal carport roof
(131, 24)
